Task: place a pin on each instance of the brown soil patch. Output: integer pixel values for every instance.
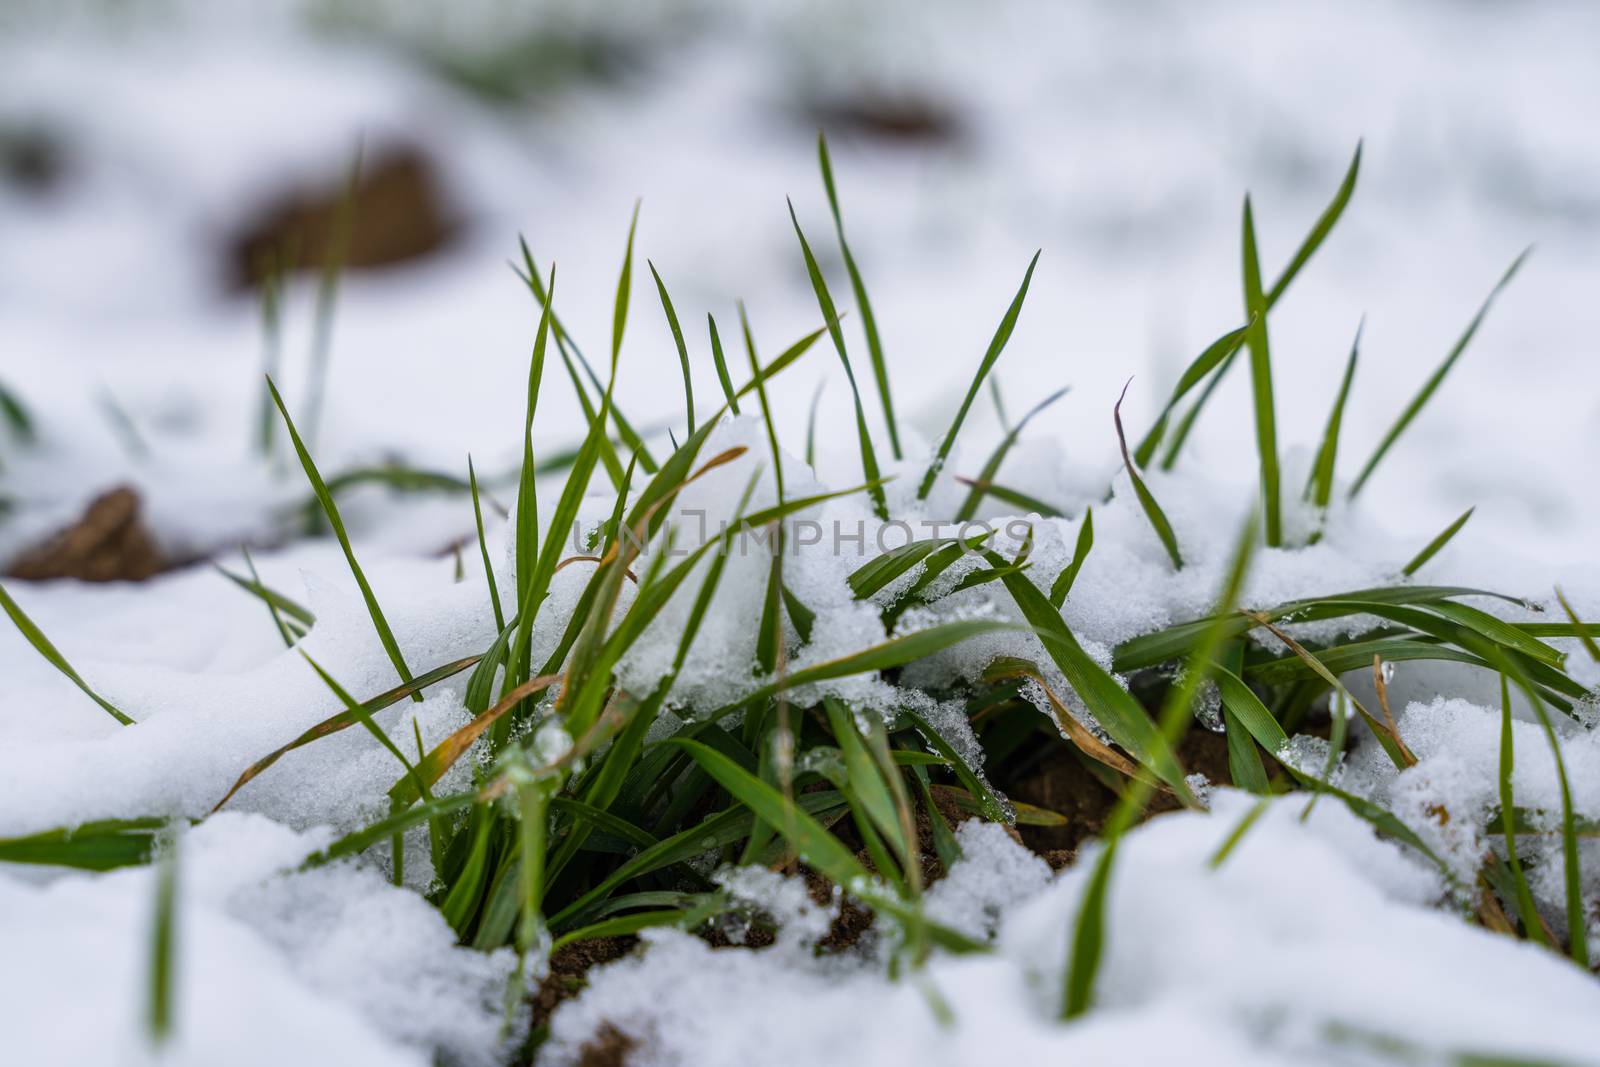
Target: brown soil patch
(109, 543)
(397, 213)
(608, 1048)
(569, 973)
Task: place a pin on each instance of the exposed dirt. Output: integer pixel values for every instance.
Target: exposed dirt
(569, 973)
(1059, 782)
(109, 543)
(608, 1048)
(397, 212)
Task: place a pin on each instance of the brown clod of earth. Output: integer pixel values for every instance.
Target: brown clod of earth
(897, 117)
(608, 1048)
(397, 213)
(569, 971)
(108, 544)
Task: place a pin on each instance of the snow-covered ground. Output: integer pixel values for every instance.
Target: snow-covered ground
(1118, 139)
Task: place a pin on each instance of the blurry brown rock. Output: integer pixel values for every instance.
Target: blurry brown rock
(109, 543)
(397, 213)
(895, 117)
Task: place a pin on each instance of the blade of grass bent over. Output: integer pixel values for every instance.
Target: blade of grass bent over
(1431, 386)
(379, 623)
(272, 608)
(997, 344)
(41, 644)
(1147, 500)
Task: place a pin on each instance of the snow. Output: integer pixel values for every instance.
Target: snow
(1119, 142)
(1267, 960)
(272, 966)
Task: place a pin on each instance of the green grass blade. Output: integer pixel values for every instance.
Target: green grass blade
(483, 550)
(1237, 834)
(619, 311)
(15, 414)
(161, 1007)
(1255, 306)
(677, 340)
(1014, 497)
(41, 644)
(1088, 938)
(869, 322)
(988, 805)
(1147, 500)
(969, 507)
(869, 455)
(527, 520)
(1577, 916)
(359, 841)
(1308, 247)
(1112, 706)
(1064, 581)
(1319, 486)
(770, 628)
(96, 846)
(1433, 547)
(572, 354)
(271, 354)
(1319, 232)
(997, 344)
(328, 300)
(811, 426)
(1215, 354)
(1584, 634)
(272, 608)
(331, 510)
(722, 365)
(346, 718)
(1431, 386)
(280, 603)
(1531, 923)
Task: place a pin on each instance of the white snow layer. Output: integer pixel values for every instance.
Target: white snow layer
(1313, 943)
(331, 965)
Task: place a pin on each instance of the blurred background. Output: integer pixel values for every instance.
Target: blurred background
(175, 175)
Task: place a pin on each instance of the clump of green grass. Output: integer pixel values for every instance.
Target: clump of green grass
(574, 826)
